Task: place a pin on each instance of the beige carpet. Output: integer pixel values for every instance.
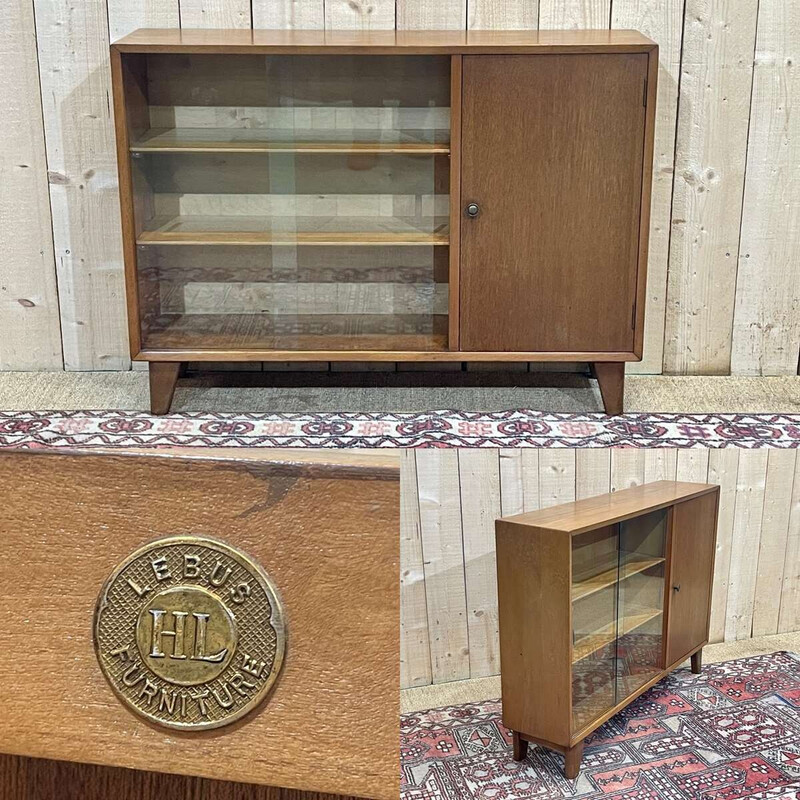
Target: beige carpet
(457, 692)
(31, 391)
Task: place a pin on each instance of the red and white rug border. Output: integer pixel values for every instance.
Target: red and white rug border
(446, 428)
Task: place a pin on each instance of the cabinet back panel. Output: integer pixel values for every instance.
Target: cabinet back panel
(552, 153)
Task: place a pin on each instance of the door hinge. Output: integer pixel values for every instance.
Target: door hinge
(633, 316)
(644, 94)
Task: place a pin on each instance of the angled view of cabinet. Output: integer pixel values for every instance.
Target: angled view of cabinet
(598, 600)
(389, 196)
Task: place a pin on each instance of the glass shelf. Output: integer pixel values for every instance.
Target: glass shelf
(590, 644)
(632, 566)
(259, 140)
(199, 229)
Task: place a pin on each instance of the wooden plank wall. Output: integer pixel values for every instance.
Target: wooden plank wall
(448, 589)
(724, 288)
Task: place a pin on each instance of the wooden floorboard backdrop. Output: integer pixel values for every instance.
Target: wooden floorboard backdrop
(724, 287)
(450, 499)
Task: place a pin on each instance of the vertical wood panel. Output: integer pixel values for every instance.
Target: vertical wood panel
(359, 14)
(592, 472)
(692, 466)
(72, 41)
(723, 469)
(443, 560)
(502, 14)
(627, 468)
(29, 323)
(789, 619)
(530, 480)
(125, 16)
(662, 22)
(556, 477)
(750, 484)
(512, 491)
(766, 329)
(660, 464)
(431, 14)
(559, 14)
(415, 653)
(289, 14)
(716, 79)
(774, 535)
(215, 13)
(479, 472)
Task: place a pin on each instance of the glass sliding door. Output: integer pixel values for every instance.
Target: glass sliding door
(293, 202)
(595, 565)
(617, 612)
(641, 600)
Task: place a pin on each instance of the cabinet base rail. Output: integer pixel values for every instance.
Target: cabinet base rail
(164, 377)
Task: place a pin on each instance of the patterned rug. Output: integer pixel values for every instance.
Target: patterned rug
(518, 428)
(731, 732)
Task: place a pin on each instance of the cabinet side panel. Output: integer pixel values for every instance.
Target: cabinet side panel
(533, 583)
(129, 84)
(694, 536)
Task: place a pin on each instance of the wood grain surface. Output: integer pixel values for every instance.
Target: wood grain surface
(380, 42)
(552, 153)
(326, 531)
(535, 610)
(691, 570)
(41, 779)
(592, 512)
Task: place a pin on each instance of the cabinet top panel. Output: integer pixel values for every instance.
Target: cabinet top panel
(195, 40)
(605, 509)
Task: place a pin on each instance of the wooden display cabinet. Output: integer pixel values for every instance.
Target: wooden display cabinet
(598, 600)
(385, 196)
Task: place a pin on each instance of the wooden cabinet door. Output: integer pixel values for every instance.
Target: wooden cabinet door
(693, 539)
(552, 153)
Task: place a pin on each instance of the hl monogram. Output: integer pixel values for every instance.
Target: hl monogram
(178, 634)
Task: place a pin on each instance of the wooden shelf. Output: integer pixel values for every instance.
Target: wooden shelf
(266, 140)
(293, 231)
(313, 332)
(611, 576)
(608, 633)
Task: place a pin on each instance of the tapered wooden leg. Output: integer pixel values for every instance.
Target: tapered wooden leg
(697, 662)
(611, 377)
(520, 747)
(163, 377)
(572, 761)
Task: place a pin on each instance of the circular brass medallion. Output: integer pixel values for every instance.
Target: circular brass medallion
(189, 632)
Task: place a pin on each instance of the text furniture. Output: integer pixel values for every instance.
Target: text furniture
(389, 196)
(598, 600)
(324, 526)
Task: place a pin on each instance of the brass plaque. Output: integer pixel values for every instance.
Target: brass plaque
(189, 632)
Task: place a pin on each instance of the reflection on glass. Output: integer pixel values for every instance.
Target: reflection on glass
(641, 600)
(617, 612)
(595, 557)
(294, 202)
